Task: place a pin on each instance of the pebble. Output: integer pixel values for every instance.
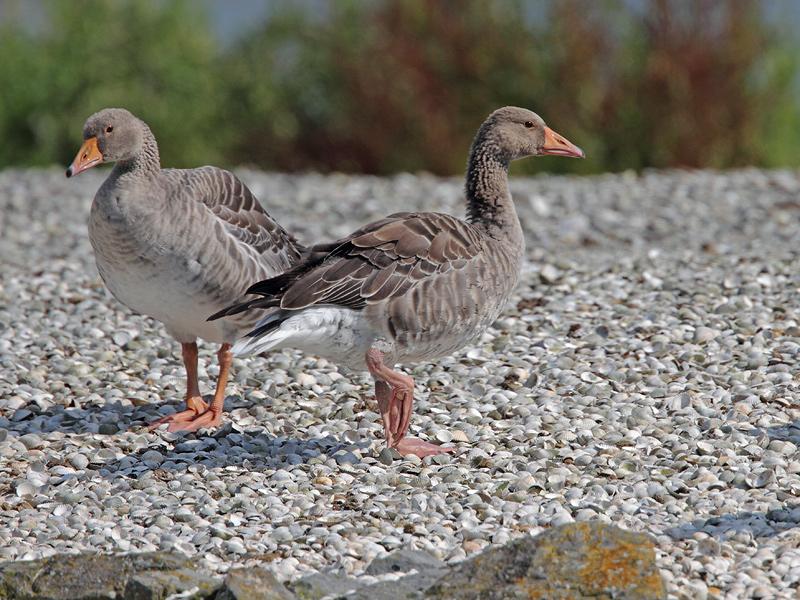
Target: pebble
(386, 456)
(152, 457)
(31, 441)
(643, 373)
(704, 334)
(444, 436)
(107, 428)
(79, 461)
(25, 488)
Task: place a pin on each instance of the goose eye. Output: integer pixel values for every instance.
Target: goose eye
(109, 129)
(528, 124)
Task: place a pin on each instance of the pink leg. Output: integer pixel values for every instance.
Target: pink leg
(213, 416)
(199, 413)
(395, 404)
(395, 395)
(194, 401)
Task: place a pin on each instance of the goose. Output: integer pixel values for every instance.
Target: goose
(413, 286)
(177, 244)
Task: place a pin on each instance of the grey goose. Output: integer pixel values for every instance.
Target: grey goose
(176, 245)
(413, 286)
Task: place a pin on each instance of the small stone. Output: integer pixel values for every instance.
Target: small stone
(387, 456)
(25, 488)
(472, 546)
(21, 415)
(705, 448)
(31, 441)
(549, 273)
(459, 436)
(306, 379)
(152, 457)
(444, 436)
(121, 338)
(107, 428)
(282, 534)
(235, 546)
(704, 334)
(79, 461)
(346, 458)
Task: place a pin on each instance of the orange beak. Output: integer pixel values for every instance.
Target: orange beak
(559, 146)
(88, 156)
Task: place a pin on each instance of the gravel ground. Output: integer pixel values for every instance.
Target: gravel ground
(644, 374)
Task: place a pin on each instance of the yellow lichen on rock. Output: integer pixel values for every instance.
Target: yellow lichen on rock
(574, 561)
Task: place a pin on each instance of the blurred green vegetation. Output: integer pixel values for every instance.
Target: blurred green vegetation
(387, 86)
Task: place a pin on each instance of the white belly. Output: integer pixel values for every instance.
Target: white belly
(152, 277)
(160, 292)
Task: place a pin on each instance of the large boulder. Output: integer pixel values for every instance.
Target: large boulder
(326, 583)
(252, 583)
(422, 570)
(575, 561)
(147, 576)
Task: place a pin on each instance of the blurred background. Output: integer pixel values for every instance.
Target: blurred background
(384, 86)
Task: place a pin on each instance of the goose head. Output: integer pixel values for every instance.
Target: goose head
(519, 132)
(111, 135)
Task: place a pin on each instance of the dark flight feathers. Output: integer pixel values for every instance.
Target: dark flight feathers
(376, 263)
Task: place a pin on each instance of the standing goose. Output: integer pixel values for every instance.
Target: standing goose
(412, 286)
(177, 244)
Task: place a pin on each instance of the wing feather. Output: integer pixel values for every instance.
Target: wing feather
(241, 215)
(378, 262)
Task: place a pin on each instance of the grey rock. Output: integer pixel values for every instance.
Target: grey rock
(387, 456)
(146, 576)
(346, 458)
(158, 585)
(319, 585)
(253, 583)
(410, 587)
(574, 561)
(403, 561)
(107, 428)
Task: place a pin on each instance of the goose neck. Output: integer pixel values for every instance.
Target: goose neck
(145, 162)
(489, 203)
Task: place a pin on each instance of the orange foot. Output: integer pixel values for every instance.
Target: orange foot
(417, 447)
(195, 406)
(210, 419)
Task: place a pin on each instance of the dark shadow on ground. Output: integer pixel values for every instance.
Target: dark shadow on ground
(756, 524)
(229, 445)
(113, 416)
(784, 433)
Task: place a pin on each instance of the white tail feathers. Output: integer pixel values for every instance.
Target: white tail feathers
(341, 334)
(265, 341)
(259, 344)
